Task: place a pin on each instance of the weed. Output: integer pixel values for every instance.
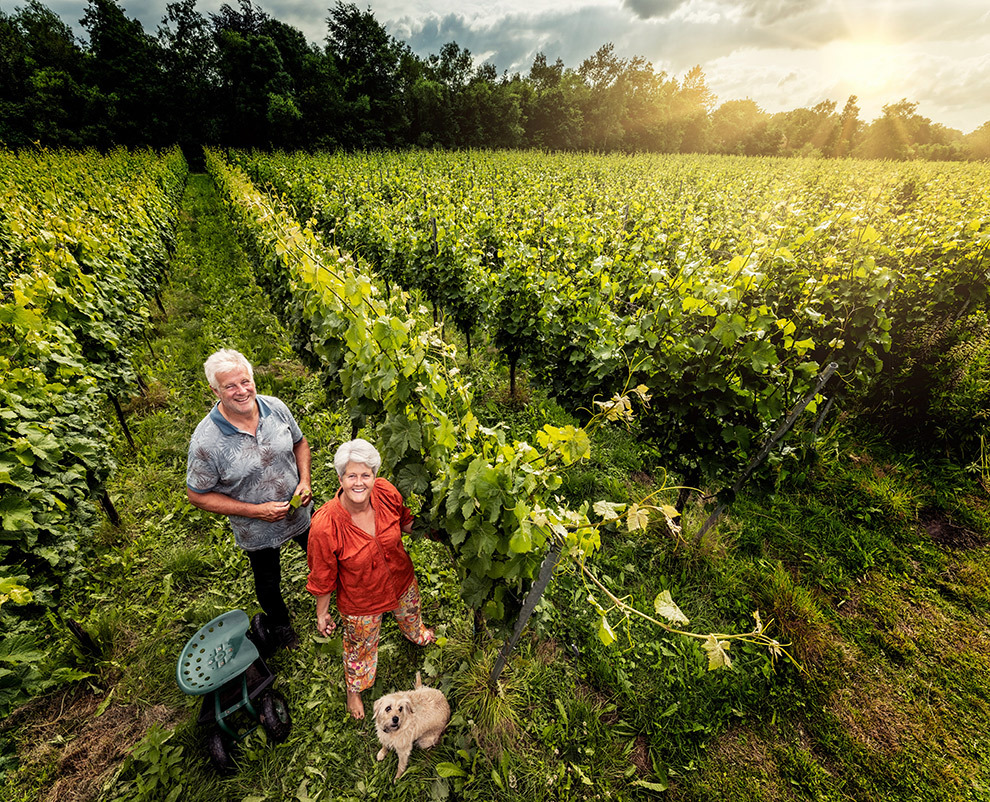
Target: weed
(153, 770)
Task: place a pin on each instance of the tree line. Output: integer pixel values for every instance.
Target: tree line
(242, 78)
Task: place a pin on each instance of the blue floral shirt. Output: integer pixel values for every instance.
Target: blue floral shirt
(251, 468)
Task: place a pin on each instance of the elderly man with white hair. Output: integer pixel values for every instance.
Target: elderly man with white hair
(356, 551)
(247, 460)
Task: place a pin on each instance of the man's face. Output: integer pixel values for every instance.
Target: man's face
(236, 392)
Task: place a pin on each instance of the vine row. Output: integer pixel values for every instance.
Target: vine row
(84, 246)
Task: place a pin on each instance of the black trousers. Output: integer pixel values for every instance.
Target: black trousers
(267, 567)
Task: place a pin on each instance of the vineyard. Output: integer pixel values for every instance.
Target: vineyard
(722, 287)
(655, 370)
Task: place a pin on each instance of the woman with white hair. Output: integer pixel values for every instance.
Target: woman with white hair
(247, 460)
(355, 550)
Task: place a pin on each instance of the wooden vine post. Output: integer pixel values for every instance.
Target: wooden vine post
(764, 452)
(115, 402)
(109, 508)
(529, 605)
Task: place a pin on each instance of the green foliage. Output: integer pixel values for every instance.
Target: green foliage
(154, 770)
(86, 240)
(940, 383)
(722, 300)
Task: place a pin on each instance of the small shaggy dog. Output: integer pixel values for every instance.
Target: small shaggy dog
(410, 717)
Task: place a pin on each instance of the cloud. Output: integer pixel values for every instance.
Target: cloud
(514, 41)
(653, 9)
(769, 12)
(945, 85)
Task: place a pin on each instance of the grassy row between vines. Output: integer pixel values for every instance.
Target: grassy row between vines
(874, 564)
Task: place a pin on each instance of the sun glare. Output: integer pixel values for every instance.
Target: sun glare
(864, 66)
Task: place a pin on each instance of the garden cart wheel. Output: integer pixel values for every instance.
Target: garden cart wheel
(221, 752)
(274, 715)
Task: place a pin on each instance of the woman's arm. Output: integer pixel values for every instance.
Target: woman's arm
(325, 624)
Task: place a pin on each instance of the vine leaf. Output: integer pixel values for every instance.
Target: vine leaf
(521, 542)
(643, 392)
(718, 655)
(637, 518)
(414, 478)
(608, 510)
(617, 408)
(664, 605)
(605, 632)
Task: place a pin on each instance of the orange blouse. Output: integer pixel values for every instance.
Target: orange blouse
(370, 574)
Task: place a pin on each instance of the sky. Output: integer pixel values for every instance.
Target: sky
(782, 54)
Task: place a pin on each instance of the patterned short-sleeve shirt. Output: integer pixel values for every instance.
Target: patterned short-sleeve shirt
(254, 469)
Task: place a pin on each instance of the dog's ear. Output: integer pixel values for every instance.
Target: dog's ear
(409, 706)
(377, 705)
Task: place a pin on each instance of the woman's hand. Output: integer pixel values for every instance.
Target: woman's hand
(325, 624)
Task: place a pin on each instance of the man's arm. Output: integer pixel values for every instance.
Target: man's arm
(226, 505)
(303, 461)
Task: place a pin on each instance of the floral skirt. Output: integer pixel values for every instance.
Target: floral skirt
(362, 632)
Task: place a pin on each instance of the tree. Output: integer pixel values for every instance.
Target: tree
(899, 133)
(552, 114)
(43, 97)
(490, 111)
(977, 143)
(545, 76)
(439, 111)
(430, 115)
(260, 62)
(191, 75)
(808, 132)
(125, 65)
(847, 132)
(693, 104)
(733, 124)
(648, 103)
(604, 107)
(321, 102)
(369, 63)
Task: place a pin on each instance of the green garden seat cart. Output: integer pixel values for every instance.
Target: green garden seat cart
(222, 664)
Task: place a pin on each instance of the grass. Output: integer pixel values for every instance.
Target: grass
(874, 566)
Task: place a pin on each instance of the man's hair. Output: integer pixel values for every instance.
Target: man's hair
(357, 451)
(224, 361)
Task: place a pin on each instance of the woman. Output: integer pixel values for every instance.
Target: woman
(247, 460)
(355, 550)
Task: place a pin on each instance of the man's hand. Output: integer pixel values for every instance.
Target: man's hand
(272, 510)
(305, 493)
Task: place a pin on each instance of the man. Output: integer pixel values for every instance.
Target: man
(248, 460)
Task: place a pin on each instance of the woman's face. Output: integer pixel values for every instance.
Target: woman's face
(356, 482)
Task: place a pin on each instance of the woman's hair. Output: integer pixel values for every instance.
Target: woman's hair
(357, 451)
(224, 361)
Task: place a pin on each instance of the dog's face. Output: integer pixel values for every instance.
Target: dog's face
(392, 711)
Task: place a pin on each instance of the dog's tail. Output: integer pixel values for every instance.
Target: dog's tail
(419, 681)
